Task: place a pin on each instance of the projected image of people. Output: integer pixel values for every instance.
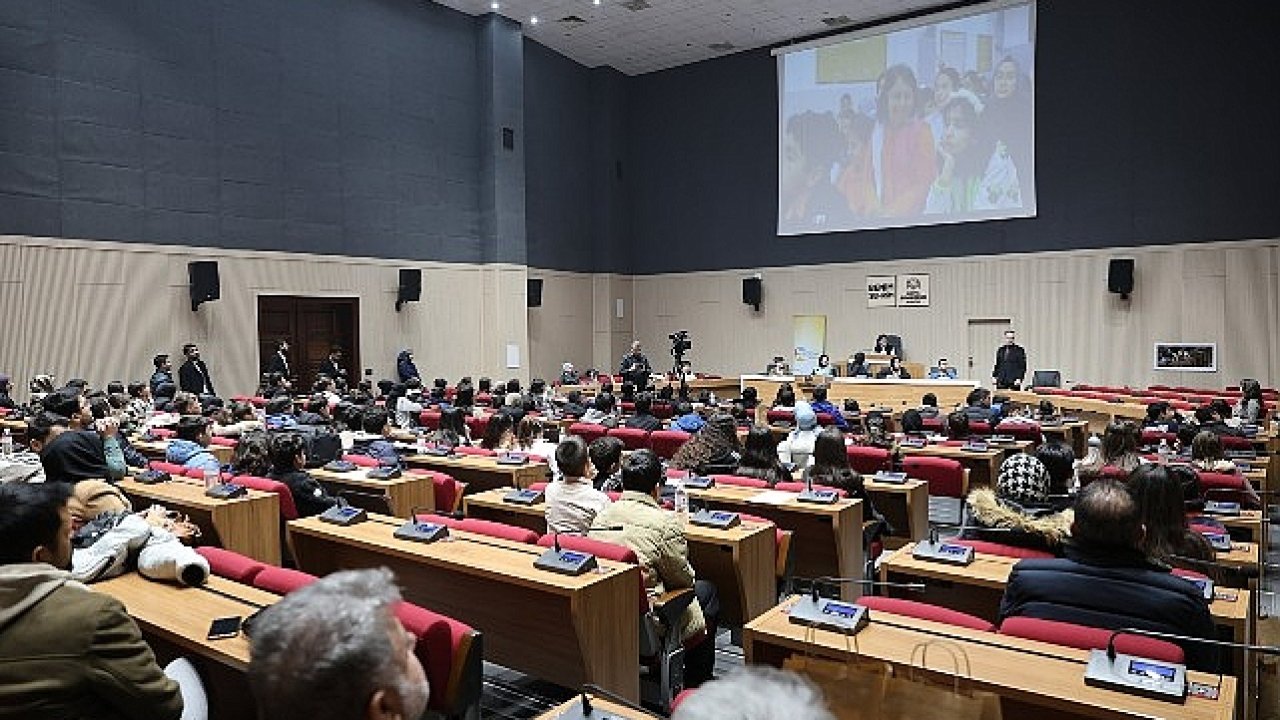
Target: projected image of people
(934, 123)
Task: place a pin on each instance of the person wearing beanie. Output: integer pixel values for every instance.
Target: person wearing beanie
(1018, 511)
(797, 448)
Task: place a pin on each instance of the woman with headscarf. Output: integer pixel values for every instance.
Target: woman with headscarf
(1017, 512)
(797, 449)
(405, 367)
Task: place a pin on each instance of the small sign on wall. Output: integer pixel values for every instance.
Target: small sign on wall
(880, 291)
(913, 290)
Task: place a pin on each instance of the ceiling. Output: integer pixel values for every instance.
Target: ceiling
(641, 36)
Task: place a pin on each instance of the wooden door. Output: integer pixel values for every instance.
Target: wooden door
(312, 326)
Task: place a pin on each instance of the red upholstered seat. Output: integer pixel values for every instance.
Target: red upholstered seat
(825, 419)
(994, 548)
(1112, 472)
(477, 425)
(601, 549)
(799, 487)
(869, 460)
(1021, 431)
(162, 433)
(167, 467)
(258, 402)
(979, 427)
(487, 527)
(429, 419)
(1235, 442)
(632, 438)
(231, 565)
(739, 481)
(944, 475)
(924, 611)
(780, 416)
(934, 424)
(663, 411)
(1089, 638)
(474, 450)
(223, 441)
(448, 492)
(666, 442)
(587, 431)
(282, 581)
(288, 510)
(1152, 436)
(1226, 488)
(361, 460)
(451, 655)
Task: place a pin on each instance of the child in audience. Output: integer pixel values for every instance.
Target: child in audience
(572, 502)
(606, 457)
(373, 441)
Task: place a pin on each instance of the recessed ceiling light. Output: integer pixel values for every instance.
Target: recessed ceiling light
(533, 20)
(495, 6)
(595, 2)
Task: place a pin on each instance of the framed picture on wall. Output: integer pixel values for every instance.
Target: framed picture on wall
(1185, 357)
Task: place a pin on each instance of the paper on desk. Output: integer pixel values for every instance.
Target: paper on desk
(772, 497)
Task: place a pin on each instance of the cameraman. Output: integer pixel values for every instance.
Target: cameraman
(635, 367)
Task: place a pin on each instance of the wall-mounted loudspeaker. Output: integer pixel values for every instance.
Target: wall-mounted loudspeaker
(752, 292)
(1120, 277)
(533, 294)
(410, 289)
(202, 276)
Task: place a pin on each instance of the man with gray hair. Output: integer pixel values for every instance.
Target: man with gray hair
(755, 693)
(334, 650)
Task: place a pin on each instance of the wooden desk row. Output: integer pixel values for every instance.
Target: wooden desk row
(740, 561)
(249, 525)
(1032, 679)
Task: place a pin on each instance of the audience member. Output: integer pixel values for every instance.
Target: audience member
(1119, 450)
(831, 468)
(601, 411)
(288, 463)
(606, 458)
(643, 418)
(573, 405)
(760, 457)
(686, 418)
(1249, 408)
(331, 366)
(713, 449)
(1162, 510)
(797, 449)
(785, 398)
(252, 455)
(929, 406)
(657, 537)
(1059, 461)
(1018, 511)
(820, 404)
(499, 434)
(572, 502)
(373, 440)
(1107, 581)
(405, 368)
(190, 447)
(6, 390)
(453, 430)
(65, 650)
(409, 405)
(1207, 454)
(958, 426)
(334, 650)
(1212, 419)
(978, 406)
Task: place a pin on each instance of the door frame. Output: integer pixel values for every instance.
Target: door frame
(969, 322)
(353, 361)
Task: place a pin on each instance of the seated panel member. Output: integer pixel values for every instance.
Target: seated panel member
(1107, 581)
(942, 371)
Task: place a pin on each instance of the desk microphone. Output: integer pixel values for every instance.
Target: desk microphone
(572, 562)
(1156, 678)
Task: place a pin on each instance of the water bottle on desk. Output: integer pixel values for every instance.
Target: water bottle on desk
(681, 499)
(6, 443)
(211, 479)
(1165, 451)
(421, 443)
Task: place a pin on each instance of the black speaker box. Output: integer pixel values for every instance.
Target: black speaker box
(752, 292)
(534, 292)
(202, 276)
(410, 289)
(1120, 276)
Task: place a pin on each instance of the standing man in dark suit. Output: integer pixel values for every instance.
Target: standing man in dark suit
(332, 365)
(280, 360)
(635, 367)
(1011, 364)
(193, 376)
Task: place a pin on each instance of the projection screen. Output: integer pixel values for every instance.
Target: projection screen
(922, 122)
